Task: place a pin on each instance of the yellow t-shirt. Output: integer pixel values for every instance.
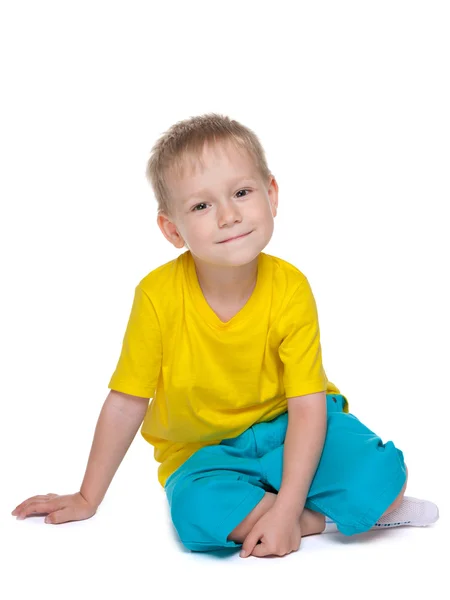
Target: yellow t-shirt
(210, 380)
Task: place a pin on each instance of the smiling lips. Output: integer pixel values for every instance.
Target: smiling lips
(234, 238)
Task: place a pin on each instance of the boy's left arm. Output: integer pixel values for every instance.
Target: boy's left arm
(303, 445)
(279, 528)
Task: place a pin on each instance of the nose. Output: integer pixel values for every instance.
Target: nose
(228, 214)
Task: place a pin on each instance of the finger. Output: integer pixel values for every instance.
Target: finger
(59, 516)
(34, 498)
(42, 507)
(250, 542)
(263, 550)
(32, 501)
(260, 550)
(23, 505)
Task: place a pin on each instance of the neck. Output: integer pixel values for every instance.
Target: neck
(228, 285)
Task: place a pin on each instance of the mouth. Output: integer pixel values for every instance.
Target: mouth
(239, 237)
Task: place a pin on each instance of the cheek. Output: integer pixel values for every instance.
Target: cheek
(265, 214)
(268, 223)
(197, 227)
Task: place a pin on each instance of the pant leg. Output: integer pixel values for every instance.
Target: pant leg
(357, 478)
(213, 491)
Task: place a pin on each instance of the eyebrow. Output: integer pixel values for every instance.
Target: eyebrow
(232, 184)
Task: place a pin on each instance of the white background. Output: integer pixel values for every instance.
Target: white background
(351, 103)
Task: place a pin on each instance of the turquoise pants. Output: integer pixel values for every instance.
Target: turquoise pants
(357, 479)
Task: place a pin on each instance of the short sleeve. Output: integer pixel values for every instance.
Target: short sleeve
(300, 350)
(139, 364)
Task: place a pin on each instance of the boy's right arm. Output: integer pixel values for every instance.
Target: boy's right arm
(119, 420)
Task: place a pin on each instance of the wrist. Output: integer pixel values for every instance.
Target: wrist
(288, 505)
(91, 501)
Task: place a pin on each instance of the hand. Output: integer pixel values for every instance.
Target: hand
(279, 532)
(59, 509)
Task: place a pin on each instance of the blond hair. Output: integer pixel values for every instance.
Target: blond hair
(186, 139)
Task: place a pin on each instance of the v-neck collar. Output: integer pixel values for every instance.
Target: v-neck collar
(204, 308)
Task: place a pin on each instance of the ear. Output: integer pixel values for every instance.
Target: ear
(272, 192)
(170, 231)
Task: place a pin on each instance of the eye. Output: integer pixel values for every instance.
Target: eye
(244, 190)
(201, 204)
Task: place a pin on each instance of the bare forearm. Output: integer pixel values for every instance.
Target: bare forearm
(305, 436)
(119, 420)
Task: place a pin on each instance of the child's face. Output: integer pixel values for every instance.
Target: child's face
(227, 198)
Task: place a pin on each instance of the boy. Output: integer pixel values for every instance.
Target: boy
(257, 448)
